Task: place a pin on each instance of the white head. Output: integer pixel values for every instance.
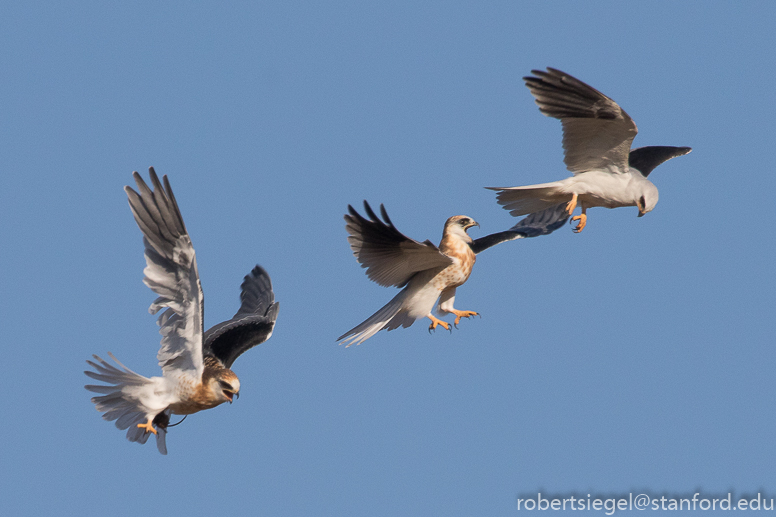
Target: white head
(648, 198)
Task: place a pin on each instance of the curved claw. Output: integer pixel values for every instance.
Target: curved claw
(582, 218)
(464, 314)
(435, 322)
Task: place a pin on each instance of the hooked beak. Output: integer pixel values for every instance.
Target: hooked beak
(231, 395)
(641, 204)
(474, 223)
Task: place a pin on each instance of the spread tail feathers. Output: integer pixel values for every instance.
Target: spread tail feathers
(531, 198)
(389, 317)
(120, 399)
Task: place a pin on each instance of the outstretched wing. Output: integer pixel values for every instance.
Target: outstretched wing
(171, 272)
(645, 159)
(251, 326)
(390, 257)
(534, 225)
(597, 133)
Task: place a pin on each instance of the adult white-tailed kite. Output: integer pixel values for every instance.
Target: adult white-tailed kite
(196, 372)
(597, 136)
(426, 272)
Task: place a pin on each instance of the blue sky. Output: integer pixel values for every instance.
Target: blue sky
(636, 356)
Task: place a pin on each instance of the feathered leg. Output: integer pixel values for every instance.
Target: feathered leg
(572, 204)
(446, 300)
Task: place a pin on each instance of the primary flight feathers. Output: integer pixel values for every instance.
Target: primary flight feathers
(195, 364)
(428, 274)
(390, 257)
(597, 137)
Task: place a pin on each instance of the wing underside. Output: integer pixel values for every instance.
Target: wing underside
(390, 257)
(251, 325)
(597, 133)
(171, 272)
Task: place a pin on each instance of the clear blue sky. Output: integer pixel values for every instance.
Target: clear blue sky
(638, 355)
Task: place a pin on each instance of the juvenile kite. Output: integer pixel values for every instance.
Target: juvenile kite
(426, 272)
(597, 137)
(196, 372)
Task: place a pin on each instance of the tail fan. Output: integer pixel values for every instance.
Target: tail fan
(529, 199)
(120, 399)
(388, 317)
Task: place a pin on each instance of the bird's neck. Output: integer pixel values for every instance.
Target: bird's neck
(455, 244)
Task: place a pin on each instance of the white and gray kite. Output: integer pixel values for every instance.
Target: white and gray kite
(597, 137)
(196, 372)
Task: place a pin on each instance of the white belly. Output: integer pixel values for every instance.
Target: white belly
(597, 188)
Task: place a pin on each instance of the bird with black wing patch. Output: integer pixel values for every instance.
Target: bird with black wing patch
(429, 275)
(597, 137)
(196, 365)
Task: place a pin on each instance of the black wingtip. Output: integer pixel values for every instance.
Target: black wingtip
(539, 75)
(646, 159)
(369, 212)
(384, 213)
(258, 271)
(371, 215)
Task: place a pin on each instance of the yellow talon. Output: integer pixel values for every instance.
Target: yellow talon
(148, 426)
(435, 322)
(571, 205)
(582, 218)
(463, 314)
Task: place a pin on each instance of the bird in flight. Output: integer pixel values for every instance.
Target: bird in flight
(428, 274)
(597, 137)
(196, 365)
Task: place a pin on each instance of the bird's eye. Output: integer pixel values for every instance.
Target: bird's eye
(225, 385)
